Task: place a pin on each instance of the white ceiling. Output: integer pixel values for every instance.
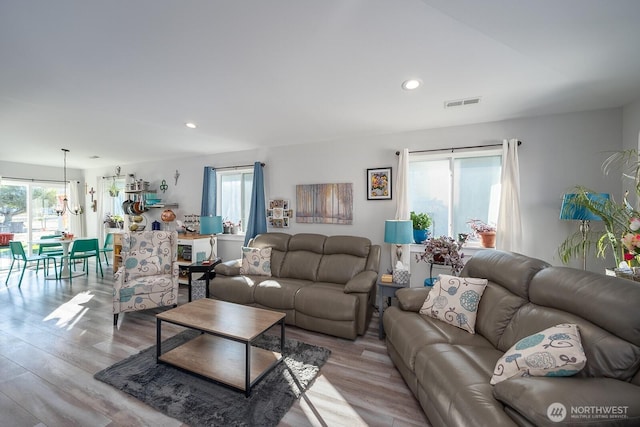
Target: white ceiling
(118, 79)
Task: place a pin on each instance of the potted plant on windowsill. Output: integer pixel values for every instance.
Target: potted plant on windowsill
(421, 224)
(484, 231)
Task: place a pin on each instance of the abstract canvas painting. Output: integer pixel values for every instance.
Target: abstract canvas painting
(324, 203)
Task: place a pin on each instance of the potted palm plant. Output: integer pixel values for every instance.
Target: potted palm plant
(620, 220)
(421, 224)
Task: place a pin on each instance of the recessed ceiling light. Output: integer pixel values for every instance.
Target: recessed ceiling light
(411, 84)
(191, 125)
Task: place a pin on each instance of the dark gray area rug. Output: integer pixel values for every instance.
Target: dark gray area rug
(200, 402)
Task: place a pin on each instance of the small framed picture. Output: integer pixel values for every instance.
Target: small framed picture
(379, 184)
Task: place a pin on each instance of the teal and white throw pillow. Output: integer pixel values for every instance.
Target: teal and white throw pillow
(455, 300)
(554, 352)
(256, 261)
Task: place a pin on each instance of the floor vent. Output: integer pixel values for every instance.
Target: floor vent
(461, 102)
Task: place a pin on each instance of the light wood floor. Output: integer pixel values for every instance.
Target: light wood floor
(54, 337)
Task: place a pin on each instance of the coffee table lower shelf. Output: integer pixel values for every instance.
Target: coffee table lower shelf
(222, 360)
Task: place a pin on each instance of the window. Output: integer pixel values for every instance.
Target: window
(233, 193)
(454, 188)
(28, 209)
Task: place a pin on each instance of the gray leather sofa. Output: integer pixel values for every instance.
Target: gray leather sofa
(322, 283)
(449, 370)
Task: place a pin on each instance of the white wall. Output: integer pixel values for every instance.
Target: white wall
(559, 152)
(631, 132)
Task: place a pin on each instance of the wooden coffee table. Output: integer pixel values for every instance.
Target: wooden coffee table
(224, 351)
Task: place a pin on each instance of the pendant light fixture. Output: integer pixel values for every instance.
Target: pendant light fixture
(65, 201)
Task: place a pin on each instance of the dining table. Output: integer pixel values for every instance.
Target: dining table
(66, 246)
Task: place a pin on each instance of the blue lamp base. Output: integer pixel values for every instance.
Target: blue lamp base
(429, 281)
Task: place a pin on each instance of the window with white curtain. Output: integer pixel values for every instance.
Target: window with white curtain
(233, 193)
(455, 187)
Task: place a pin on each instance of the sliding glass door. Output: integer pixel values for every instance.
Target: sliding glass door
(28, 211)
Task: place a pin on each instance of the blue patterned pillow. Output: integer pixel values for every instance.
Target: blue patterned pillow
(554, 352)
(256, 261)
(455, 300)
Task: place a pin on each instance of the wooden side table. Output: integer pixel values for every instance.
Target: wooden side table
(199, 267)
(385, 290)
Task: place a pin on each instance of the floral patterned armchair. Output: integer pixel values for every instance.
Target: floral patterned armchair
(148, 275)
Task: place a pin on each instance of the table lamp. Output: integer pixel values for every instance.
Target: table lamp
(578, 212)
(398, 232)
(211, 225)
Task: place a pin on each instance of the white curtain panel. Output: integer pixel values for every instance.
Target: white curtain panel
(509, 229)
(76, 199)
(402, 204)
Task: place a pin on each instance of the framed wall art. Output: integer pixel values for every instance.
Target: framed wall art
(279, 213)
(379, 184)
(324, 203)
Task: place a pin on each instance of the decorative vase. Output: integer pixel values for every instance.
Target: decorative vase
(488, 239)
(419, 236)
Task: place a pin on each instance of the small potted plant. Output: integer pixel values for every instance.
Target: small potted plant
(486, 232)
(113, 189)
(443, 250)
(113, 221)
(421, 224)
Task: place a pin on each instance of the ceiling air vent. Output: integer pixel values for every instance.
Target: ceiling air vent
(461, 102)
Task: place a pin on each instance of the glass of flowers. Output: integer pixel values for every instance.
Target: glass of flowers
(442, 250)
(631, 243)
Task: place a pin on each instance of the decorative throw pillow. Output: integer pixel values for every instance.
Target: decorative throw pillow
(554, 352)
(455, 300)
(256, 261)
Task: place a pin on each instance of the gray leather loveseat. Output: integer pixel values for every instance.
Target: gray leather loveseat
(322, 283)
(449, 369)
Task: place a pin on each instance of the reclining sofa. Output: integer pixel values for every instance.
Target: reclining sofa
(449, 369)
(322, 283)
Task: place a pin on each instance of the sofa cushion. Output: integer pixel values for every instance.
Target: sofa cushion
(511, 270)
(278, 293)
(326, 301)
(532, 397)
(411, 299)
(591, 296)
(339, 268)
(497, 307)
(454, 377)
(455, 300)
(607, 355)
(279, 244)
(350, 245)
(303, 257)
(554, 352)
(256, 261)
(237, 289)
(410, 332)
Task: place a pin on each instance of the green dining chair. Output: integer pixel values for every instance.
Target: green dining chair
(83, 249)
(18, 255)
(107, 247)
(50, 249)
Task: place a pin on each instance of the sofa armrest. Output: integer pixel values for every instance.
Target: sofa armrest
(595, 400)
(229, 268)
(361, 282)
(411, 299)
